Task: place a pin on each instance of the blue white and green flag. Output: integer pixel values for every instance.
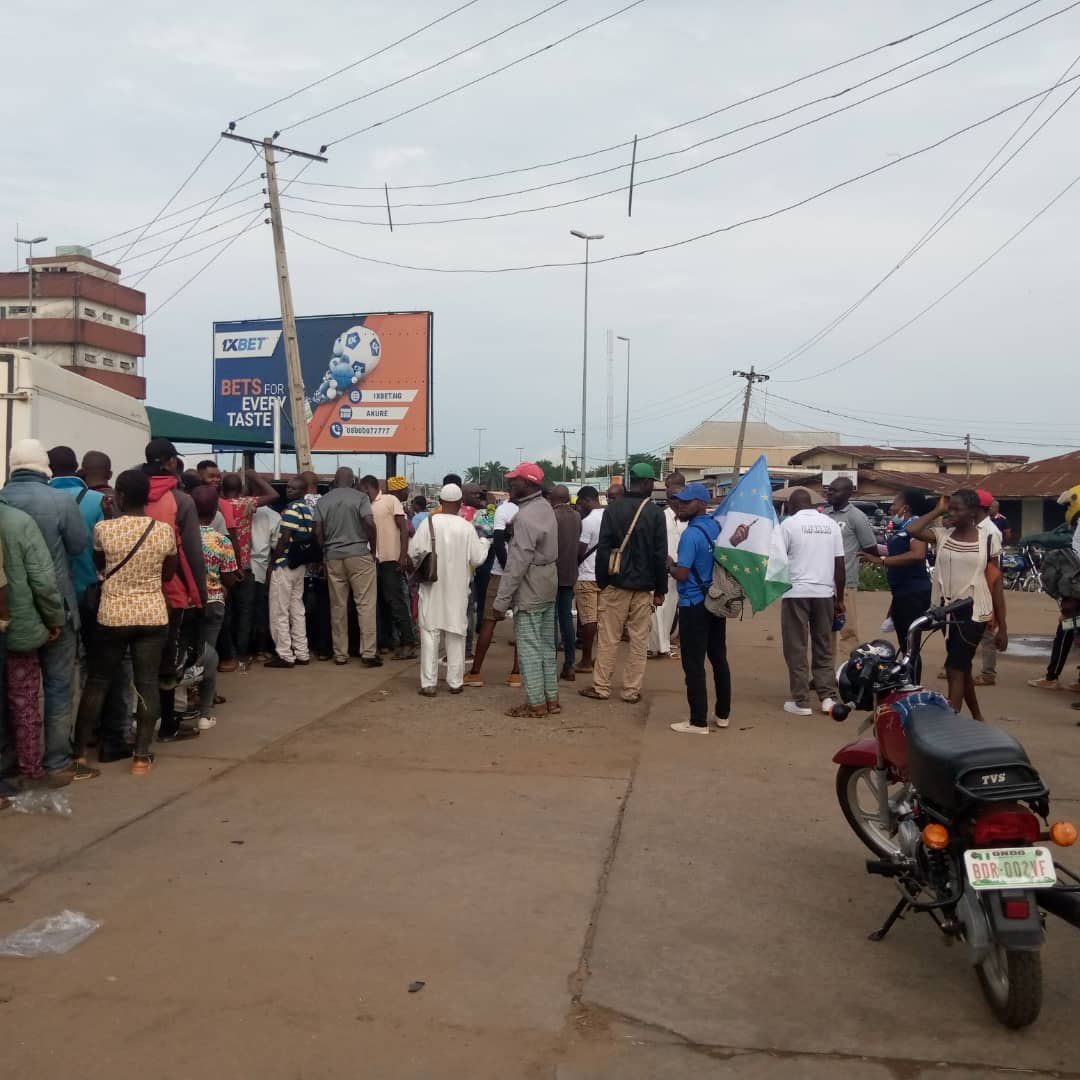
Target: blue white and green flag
(750, 546)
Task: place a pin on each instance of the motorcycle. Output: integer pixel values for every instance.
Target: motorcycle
(1021, 569)
(951, 809)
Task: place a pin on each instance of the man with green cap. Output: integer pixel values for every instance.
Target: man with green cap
(631, 570)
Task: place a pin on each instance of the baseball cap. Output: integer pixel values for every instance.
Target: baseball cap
(527, 470)
(159, 450)
(985, 498)
(691, 492)
(642, 471)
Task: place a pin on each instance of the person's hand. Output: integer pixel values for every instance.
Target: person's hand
(658, 600)
(498, 615)
(54, 635)
(403, 563)
(1069, 606)
(874, 560)
(671, 564)
(1001, 639)
(942, 507)
(838, 608)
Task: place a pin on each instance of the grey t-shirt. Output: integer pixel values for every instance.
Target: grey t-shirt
(340, 511)
(857, 533)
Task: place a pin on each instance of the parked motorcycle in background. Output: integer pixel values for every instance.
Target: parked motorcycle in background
(951, 809)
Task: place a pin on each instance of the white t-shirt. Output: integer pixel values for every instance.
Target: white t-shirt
(675, 529)
(814, 542)
(505, 512)
(590, 534)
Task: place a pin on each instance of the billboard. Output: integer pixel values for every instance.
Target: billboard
(367, 380)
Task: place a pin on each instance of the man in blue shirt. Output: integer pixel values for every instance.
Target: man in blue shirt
(702, 634)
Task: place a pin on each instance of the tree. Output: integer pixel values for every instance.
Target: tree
(554, 472)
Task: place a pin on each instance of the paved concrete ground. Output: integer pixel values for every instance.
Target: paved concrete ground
(587, 898)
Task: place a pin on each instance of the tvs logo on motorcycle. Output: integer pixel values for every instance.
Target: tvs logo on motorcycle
(993, 778)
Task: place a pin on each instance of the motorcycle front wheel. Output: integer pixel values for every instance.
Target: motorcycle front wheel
(857, 795)
(1012, 984)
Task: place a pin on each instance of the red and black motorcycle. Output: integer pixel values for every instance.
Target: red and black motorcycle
(951, 807)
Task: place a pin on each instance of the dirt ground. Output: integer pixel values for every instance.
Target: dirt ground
(588, 897)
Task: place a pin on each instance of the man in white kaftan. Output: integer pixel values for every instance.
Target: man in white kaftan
(444, 603)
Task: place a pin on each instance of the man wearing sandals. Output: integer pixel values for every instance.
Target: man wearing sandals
(529, 585)
(631, 570)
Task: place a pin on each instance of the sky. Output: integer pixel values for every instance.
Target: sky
(108, 112)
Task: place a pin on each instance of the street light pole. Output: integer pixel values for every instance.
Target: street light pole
(30, 287)
(588, 238)
(479, 467)
(626, 457)
(521, 451)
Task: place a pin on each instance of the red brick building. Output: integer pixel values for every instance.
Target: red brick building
(83, 318)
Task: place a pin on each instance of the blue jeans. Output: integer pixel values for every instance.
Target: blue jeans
(564, 615)
(58, 682)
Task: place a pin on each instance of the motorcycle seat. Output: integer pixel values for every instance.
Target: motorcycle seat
(952, 757)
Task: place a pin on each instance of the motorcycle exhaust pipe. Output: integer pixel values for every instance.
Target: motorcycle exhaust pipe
(1065, 905)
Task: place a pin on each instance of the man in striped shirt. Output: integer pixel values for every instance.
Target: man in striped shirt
(285, 579)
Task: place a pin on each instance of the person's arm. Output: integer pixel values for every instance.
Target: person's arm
(229, 570)
(679, 568)
(170, 564)
(608, 541)
(839, 581)
(478, 550)
(73, 528)
(262, 492)
(367, 523)
(41, 577)
(319, 527)
(498, 542)
(923, 528)
(915, 554)
(187, 521)
(864, 534)
(518, 560)
(997, 596)
(402, 523)
(420, 544)
(658, 547)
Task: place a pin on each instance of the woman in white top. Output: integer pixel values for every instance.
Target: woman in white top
(963, 552)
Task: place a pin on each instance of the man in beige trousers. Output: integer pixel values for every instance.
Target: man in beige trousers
(345, 529)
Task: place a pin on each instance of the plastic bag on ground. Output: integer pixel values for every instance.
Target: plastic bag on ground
(41, 801)
(50, 936)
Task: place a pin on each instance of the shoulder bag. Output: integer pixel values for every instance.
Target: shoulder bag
(723, 594)
(615, 558)
(93, 592)
(427, 570)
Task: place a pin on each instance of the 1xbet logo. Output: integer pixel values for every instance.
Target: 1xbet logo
(242, 344)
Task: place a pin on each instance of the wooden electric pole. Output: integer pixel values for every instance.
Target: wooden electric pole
(564, 432)
(967, 455)
(751, 377)
(297, 409)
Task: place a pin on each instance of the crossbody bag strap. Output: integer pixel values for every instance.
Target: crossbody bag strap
(629, 532)
(127, 558)
(82, 495)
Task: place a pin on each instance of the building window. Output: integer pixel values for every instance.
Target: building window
(840, 466)
(3, 312)
(89, 313)
(124, 320)
(108, 361)
(90, 358)
(126, 365)
(20, 310)
(106, 316)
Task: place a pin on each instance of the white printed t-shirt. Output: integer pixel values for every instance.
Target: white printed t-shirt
(814, 542)
(505, 512)
(590, 536)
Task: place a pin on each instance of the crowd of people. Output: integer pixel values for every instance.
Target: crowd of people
(122, 601)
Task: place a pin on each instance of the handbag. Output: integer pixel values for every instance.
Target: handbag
(93, 592)
(427, 570)
(615, 558)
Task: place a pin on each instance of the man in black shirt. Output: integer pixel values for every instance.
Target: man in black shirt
(631, 570)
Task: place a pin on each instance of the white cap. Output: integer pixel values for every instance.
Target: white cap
(451, 493)
(30, 454)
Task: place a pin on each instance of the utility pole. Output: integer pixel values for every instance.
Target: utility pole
(564, 432)
(288, 315)
(967, 466)
(751, 377)
(521, 451)
(479, 468)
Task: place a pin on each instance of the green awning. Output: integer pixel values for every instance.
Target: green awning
(181, 428)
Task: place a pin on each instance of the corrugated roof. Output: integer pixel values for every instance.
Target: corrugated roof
(936, 483)
(951, 453)
(1045, 479)
(910, 453)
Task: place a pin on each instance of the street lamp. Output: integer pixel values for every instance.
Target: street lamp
(587, 237)
(30, 288)
(479, 468)
(521, 451)
(626, 455)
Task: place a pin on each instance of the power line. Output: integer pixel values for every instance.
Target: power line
(674, 127)
(425, 70)
(191, 236)
(945, 295)
(943, 219)
(354, 64)
(622, 166)
(171, 199)
(766, 216)
(489, 74)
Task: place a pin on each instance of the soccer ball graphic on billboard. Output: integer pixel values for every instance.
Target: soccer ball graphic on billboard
(355, 356)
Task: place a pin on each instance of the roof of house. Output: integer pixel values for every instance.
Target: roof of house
(1045, 479)
(952, 453)
(935, 483)
(908, 453)
(726, 433)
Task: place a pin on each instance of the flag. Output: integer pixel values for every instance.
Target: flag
(750, 546)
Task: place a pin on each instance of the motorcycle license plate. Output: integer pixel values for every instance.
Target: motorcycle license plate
(1010, 868)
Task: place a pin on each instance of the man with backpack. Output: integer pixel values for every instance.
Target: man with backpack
(285, 579)
(631, 570)
(703, 634)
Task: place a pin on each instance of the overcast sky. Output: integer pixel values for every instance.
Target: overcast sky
(108, 109)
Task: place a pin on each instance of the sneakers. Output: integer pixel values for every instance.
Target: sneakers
(207, 722)
(513, 680)
(192, 675)
(722, 722)
(828, 705)
(140, 766)
(797, 710)
(371, 661)
(985, 680)
(473, 680)
(684, 727)
(1044, 684)
(277, 662)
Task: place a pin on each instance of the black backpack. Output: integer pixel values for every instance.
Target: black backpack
(1060, 573)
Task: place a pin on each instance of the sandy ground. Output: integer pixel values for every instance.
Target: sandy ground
(584, 897)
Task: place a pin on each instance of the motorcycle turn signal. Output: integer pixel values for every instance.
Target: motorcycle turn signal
(840, 711)
(1063, 833)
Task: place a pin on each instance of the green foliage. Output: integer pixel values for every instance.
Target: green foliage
(872, 578)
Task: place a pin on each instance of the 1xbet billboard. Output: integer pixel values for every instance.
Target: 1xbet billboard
(367, 380)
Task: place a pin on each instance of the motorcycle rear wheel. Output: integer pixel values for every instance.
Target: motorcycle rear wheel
(862, 814)
(1011, 981)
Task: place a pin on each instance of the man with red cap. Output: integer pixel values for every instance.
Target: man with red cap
(529, 585)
